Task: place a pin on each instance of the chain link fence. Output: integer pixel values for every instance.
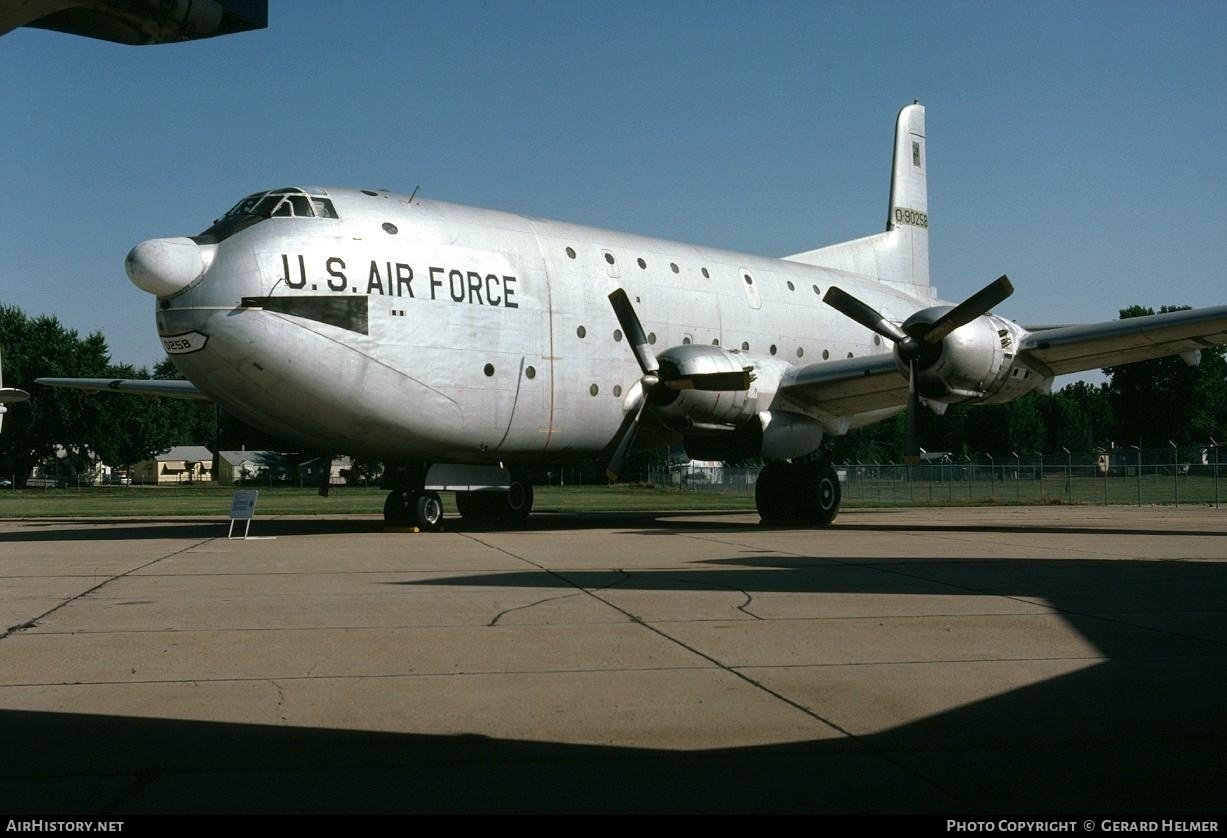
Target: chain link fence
(1110, 479)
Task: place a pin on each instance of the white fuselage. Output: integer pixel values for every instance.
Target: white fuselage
(488, 335)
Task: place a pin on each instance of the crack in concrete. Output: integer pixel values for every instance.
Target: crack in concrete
(32, 623)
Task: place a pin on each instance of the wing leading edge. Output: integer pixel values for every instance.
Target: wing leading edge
(135, 386)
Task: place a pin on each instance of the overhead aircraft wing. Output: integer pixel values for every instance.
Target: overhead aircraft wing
(841, 388)
(1087, 347)
(137, 386)
(860, 385)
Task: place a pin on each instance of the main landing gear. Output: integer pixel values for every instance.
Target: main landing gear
(413, 505)
(798, 493)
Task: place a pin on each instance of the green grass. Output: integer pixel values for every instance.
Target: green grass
(118, 501)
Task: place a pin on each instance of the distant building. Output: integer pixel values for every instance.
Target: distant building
(248, 466)
(181, 464)
(310, 472)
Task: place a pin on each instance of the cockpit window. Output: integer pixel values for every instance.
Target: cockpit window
(277, 203)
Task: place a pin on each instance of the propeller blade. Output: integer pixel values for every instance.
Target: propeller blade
(628, 431)
(633, 329)
(863, 313)
(911, 438)
(977, 304)
(712, 380)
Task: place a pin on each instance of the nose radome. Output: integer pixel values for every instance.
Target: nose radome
(164, 266)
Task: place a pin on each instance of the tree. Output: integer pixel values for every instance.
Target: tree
(1166, 399)
(34, 348)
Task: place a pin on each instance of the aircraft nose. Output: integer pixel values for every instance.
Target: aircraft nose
(164, 266)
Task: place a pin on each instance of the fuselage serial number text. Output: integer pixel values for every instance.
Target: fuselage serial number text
(397, 279)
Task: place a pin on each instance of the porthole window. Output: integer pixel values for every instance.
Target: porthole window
(593, 390)
(877, 340)
(370, 192)
(773, 350)
(652, 338)
(609, 257)
(715, 342)
(617, 334)
(582, 332)
(800, 352)
(749, 279)
(390, 228)
(826, 354)
(530, 372)
(673, 267)
(745, 346)
(488, 369)
(642, 264)
(706, 275)
(571, 252)
(617, 390)
(816, 290)
(791, 287)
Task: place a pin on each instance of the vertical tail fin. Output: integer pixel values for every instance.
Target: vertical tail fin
(901, 254)
(908, 215)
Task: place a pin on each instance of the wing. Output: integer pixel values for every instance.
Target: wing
(871, 383)
(842, 388)
(1076, 348)
(137, 386)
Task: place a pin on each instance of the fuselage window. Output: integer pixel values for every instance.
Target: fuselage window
(571, 252)
(389, 228)
(816, 291)
(617, 390)
(791, 287)
(488, 369)
(593, 390)
(609, 257)
(618, 335)
(706, 275)
(745, 346)
(800, 352)
(673, 267)
(530, 372)
(715, 342)
(581, 331)
(773, 349)
(642, 264)
(652, 338)
(826, 354)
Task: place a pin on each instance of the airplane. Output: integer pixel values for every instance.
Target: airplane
(9, 395)
(461, 344)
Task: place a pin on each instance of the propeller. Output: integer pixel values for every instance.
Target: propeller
(654, 377)
(911, 344)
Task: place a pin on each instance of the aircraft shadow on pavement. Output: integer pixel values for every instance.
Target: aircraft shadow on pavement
(1117, 739)
(1140, 731)
(624, 523)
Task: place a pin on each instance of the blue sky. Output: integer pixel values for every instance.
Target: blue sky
(1078, 147)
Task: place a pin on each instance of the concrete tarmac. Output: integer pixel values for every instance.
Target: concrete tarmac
(961, 662)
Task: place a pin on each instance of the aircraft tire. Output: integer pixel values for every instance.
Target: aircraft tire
(399, 508)
(428, 511)
(775, 493)
(517, 501)
(823, 493)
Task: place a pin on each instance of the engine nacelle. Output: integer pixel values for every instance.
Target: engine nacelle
(976, 362)
(712, 410)
(773, 434)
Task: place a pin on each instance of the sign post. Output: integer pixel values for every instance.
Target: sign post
(242, 508)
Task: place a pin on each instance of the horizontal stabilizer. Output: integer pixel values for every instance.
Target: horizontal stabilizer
(134, 386)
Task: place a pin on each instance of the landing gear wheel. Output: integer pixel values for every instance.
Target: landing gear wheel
(822, 493)
(400, 508)
(518, 502)
(428, 511)
(775, 493)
